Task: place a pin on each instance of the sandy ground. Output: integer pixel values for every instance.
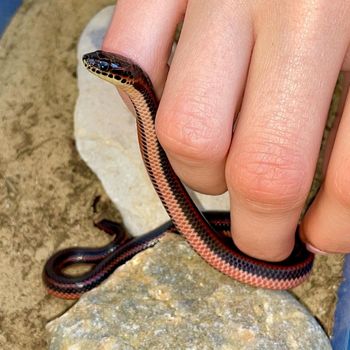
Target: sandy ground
(46, 191)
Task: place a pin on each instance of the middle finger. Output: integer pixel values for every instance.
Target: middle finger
(202, 92)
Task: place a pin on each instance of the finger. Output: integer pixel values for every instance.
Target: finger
(205, 82)
(346, 62)
(326, 225)
(144, 32)
(344, 84)
(274, 150)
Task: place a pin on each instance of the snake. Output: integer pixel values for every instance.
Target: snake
(208, 233)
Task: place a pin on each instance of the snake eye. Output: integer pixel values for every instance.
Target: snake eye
(103, 65)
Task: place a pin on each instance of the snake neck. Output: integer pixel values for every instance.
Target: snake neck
(180, 207)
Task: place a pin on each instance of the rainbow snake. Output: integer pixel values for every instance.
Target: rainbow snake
(207, 233)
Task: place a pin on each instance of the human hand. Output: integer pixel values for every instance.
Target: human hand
(273, 63)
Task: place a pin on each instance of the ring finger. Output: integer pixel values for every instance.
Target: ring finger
(274, 150)
(333, 200)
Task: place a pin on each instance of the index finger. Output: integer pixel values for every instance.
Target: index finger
(144, 32)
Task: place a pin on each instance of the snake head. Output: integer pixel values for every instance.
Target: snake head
(112, 67)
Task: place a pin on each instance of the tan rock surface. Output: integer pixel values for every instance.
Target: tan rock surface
(48, 195)
(46, 191)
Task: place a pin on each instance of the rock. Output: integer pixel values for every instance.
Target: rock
(167, 297)
(106, 139)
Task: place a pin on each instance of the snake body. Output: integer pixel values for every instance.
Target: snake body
(205, 234)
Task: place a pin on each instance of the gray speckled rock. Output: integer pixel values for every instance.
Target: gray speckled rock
(168, 298)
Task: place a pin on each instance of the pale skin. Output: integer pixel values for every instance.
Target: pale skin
(243, 106)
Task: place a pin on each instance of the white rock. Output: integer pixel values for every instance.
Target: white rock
(106, 139)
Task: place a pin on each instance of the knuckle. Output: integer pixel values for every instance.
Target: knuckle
(192, 132)
(268, 177)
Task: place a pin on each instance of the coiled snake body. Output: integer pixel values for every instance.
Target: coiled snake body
(205, 233)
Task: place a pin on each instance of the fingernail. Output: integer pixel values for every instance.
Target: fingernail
(314, 250)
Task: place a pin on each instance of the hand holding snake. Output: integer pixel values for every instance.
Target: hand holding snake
(213, 245)
(267, 71)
